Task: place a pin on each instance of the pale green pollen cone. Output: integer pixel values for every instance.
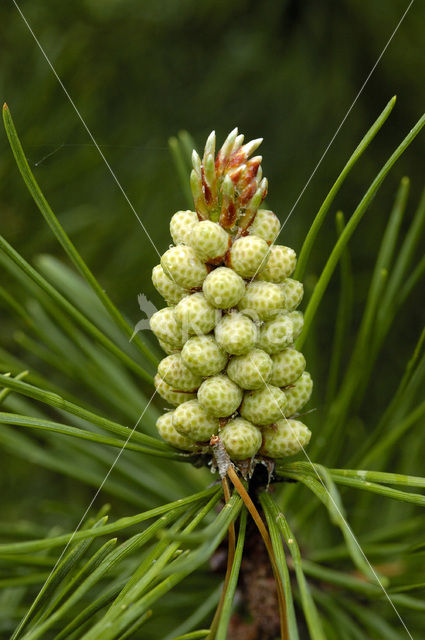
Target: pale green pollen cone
(231, 318)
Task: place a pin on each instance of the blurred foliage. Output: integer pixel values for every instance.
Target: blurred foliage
(139, 73)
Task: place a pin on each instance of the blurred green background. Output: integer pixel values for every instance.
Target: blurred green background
(139, 72)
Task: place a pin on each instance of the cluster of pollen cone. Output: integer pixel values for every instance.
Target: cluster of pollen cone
(231, 320)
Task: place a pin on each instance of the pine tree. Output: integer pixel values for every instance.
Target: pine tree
(275, 533)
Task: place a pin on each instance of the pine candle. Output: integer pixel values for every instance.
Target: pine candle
(231, 320)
